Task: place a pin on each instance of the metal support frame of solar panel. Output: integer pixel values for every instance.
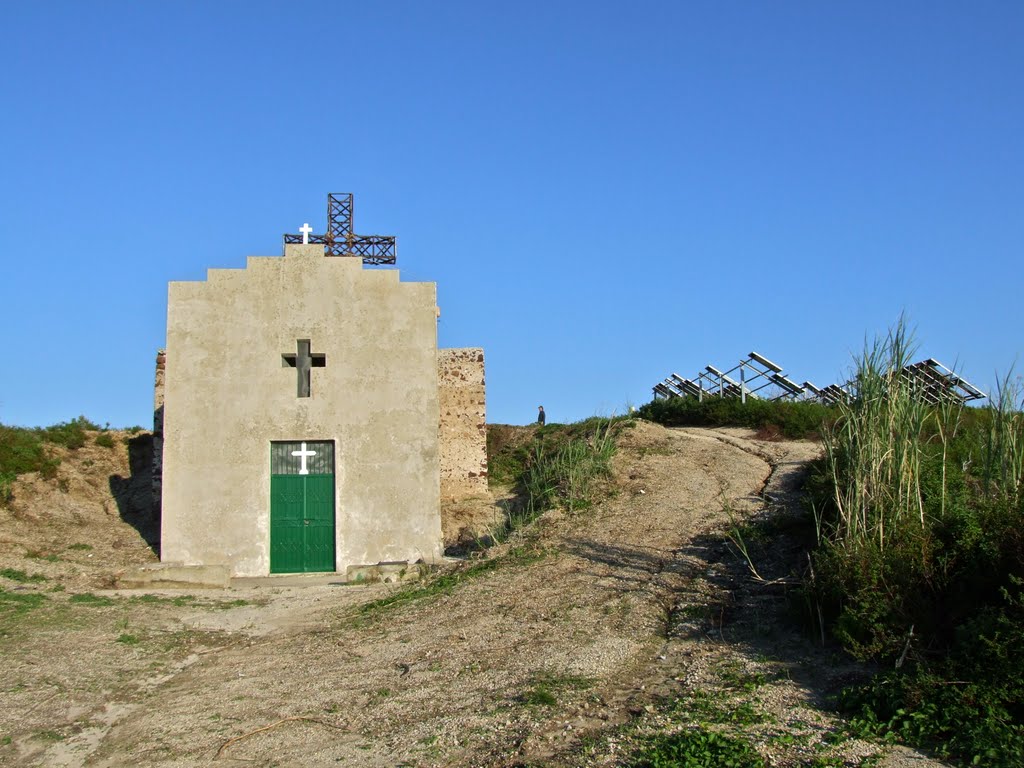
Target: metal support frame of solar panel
(674, 386)
(761, 368)
(830, 395)
(937, 383)
(712, 382)
(686, 386)
(833, 394)
(930, 379)
(661, 391)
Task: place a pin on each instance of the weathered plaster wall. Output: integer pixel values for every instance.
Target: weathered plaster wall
(227, 396)
(463, 428)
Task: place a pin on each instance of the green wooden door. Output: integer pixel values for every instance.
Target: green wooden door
(301, 507)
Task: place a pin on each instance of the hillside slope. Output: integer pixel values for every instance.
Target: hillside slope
(570, 646)
(91, 521)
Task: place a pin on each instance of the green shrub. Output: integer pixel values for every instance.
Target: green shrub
(21, 451)
(796, 420)
(70, 434)
(6, 487)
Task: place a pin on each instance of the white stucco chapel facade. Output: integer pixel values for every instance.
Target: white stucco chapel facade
(301, 417)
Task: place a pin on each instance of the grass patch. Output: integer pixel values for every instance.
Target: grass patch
(81, 547)
(544, 688)
(87, 598)
(49, 557)
(15, 575)
(232, 604)
(128, 639)
(446, 583)
(16, 603)
(105, 440)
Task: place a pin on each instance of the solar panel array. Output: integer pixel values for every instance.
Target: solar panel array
(757, 377)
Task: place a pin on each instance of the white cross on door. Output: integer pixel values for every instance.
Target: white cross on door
(302, 454)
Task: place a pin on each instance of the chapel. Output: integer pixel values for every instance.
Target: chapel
(306, 421)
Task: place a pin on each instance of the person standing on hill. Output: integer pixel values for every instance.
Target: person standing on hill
(540, 415)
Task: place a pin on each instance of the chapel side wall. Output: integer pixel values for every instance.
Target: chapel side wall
(228, 396)
(463, 429)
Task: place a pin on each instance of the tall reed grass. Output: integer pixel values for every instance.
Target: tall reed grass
(1004, 454)
(888, 437)
(920, 559)
(875, 445)
(565, 472)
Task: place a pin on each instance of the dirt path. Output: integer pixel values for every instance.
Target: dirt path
(563, 654)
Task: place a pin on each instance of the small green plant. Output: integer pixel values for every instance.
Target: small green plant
(81, 547)
(128, 639)
(105, 440)
(539, 696)
(696, 748)
(700, 707)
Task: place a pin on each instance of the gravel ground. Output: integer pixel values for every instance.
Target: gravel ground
(592, 631)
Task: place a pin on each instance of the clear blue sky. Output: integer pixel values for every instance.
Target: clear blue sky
(603, 192)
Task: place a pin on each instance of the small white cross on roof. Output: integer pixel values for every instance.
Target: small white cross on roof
(305, 229)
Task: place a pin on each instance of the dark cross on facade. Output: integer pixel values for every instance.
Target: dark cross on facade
(303, 362)
(340, 241)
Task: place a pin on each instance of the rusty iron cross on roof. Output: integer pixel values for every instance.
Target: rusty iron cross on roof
(340, 240)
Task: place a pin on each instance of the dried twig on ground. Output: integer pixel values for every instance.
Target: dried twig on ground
(246, 735)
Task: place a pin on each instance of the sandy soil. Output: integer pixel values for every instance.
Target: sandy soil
(566, 653)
